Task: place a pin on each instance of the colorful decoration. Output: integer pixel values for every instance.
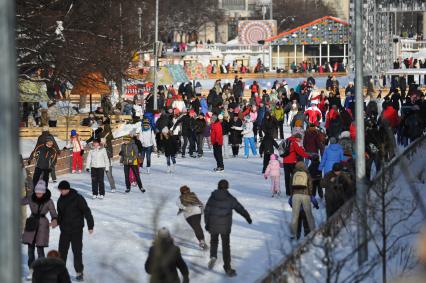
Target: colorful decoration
(328, 30)
(196, 71)
(250, 32)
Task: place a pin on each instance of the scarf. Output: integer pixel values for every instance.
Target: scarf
(190, 199)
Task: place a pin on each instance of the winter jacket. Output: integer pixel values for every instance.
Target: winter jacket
(218, 212)
(199, 126)
(186, 124)
(179, 104)
(314, 172)
(147, 138)
(97, 158)
(204, 106)
(129, 153)
(225, 127)
(332, 154)
(189, 210)
(312, 141)
(278, 113)
(269, 126)
(42, 140)
(314, 115)
(273, 169)
(39, 209)
(50, 270)
(216, 135)
(163, 121)
(169, 145)
(338, 189)
(248, 130)
(390, 115)
(162, 267)
(296, 151)
(267, 145)
(176, 126)
(235, 136)
(53, 113)
(72, 210)
(96, 134)
(75, 144)
(45, 156)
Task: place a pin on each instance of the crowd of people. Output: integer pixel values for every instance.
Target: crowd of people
(317, 158)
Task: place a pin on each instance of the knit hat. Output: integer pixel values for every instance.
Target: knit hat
(40, 187)
(163, 233)
(337, 167)
(165, 130)
(214, 118)
(333, 140)
(64, 185)
(145, 121)
(184, 189)
(48, 139)
(220, 117)
(223, 185)
(73, 133)
(127, 138)
(300, 166)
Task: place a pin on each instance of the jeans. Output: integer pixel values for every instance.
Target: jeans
(301, 201)
(146, 151)
(31, 254)
(374, 158)
(225, 147)
(200, 142)
(135, 171)
(226, 249)
(281, 129)
(185, 144)
(76, 241)
(98, 185)
(235, 149)
(249, 142)
(37, 174)
(217, 152)
(288, 174)
(110, 177)
(195, 222)
(316, 187)
(171, 158)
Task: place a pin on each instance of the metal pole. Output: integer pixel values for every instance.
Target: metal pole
(10, 175)
(278, 56)
(156, 57)
(271, 15)
(361, 192)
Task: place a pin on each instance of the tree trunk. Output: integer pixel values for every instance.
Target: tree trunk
(83, 101)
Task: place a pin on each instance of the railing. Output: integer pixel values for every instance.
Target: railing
(412, 45)
(286, 268)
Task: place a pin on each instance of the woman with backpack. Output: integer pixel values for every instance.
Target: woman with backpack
(192, 209)
(301, 191)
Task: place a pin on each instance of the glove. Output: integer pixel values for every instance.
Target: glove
(206, 227)
(316, 206)
(87, 170)
(249, 220)
(185, 280)
(266, 177)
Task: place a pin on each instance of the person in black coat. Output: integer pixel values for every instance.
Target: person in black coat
(269, 125)
(164, 258)
(50, 270)
(266, 148)
(218, 220)
(46, 156)
(187, 130)
(235, 136)
(72, 210)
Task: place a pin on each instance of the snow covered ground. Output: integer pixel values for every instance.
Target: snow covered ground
(125, 223)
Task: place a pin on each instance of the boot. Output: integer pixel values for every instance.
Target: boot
(211, 263)
(148, 170)
(79, 277)
(231, 272)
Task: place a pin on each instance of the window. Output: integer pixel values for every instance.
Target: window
(234, 4)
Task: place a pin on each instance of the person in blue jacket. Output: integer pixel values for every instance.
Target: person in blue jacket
(332, 154)
(204, 106)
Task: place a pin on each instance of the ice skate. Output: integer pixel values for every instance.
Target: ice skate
(231, 272)
(101, 197)
(142, 190)
(127, 190)
(79, 277)
(113, 190)
(94, 196)
(73, 172)
(212, 262)
(169, 170)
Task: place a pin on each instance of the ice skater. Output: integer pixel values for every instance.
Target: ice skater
(274, 171)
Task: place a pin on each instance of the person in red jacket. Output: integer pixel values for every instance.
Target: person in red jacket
(390, 116)
(314, 113)
(297, 153)
(216, 137)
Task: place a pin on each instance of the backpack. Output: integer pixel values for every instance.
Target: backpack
(300, 179)
(284, 148)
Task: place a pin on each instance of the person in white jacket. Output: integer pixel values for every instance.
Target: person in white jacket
(179, 104)
(147, 139)
(248, 136)
(96, 163)
(192, 209)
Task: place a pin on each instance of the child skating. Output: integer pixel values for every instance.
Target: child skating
(273, 171)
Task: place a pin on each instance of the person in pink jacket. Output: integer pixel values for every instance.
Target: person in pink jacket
(273, 171)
